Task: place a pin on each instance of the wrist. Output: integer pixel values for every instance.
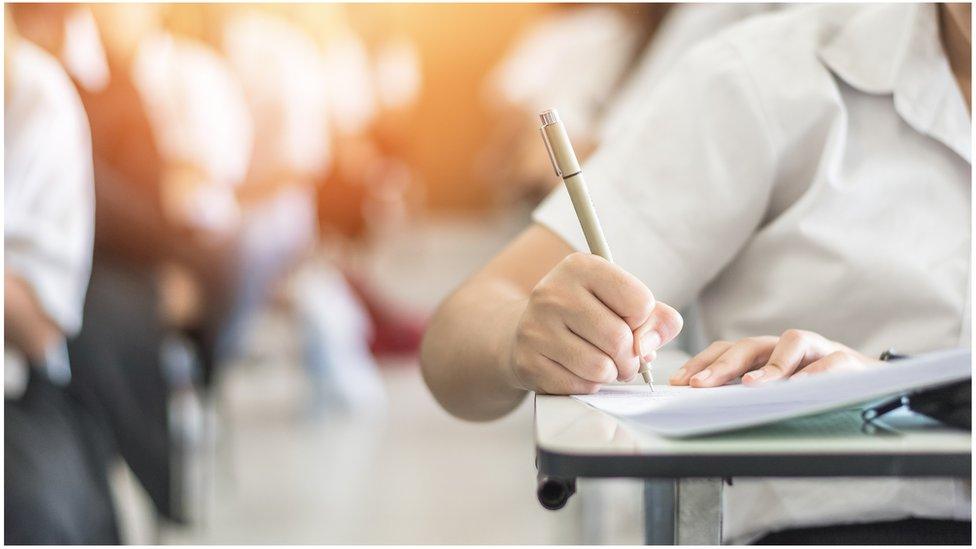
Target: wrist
(512, 316)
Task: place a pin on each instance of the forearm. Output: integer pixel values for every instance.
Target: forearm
(467, 348)
(26, 326)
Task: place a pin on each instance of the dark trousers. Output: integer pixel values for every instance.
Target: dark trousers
(117, 373)
(898, 532)
(56, 456)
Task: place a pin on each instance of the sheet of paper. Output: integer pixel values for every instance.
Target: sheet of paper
(682, 411)
(625, 400)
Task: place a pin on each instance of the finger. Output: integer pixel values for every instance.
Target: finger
(699, 362)
(664, 325)
(550, 377)
(834, 362)
(619, 290)
(596, 323)
(581, 357)
(795, 349)
(741, 357)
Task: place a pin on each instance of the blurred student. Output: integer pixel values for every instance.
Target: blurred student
(593, 62)
(288, 85)
(55, 480)
(362, 198)
(805, 173)
(171, 139)
(574, 57)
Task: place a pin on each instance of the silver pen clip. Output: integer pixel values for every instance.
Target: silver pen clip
(552, 155)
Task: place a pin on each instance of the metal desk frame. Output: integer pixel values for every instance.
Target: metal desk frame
(684, 479)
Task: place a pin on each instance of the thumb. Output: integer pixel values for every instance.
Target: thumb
(662, 326)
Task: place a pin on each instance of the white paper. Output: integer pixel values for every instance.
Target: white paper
(684, 411)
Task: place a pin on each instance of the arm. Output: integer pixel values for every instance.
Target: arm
(26, 326)
(539, 318)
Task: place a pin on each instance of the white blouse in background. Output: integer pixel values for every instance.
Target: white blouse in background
(807, 169)
(284, 80)
(573, 59)
(199, 117)
(48, 208)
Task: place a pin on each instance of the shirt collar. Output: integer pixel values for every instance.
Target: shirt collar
(895, 49)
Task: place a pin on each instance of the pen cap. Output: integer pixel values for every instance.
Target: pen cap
(560, 149)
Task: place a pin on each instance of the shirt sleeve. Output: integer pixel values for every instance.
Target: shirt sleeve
(684, 183)
(48, 239)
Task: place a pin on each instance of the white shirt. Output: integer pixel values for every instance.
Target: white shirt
(572, 59)
(48, 207)
(808, 169)
(684, 26)
(199, 116)
(352, 98)
(284, 80)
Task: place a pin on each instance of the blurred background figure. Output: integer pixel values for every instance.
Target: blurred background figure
(594, 61)
(284, 192)
(55, 467)
(287, 83)
(171, 139)
(577, 57)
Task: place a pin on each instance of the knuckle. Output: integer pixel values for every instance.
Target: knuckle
(547, 300)
(626, 369)
(673, 322)
(541, 294)
(620, 341)
(526, 334)
(644, 302)
(607, 369)
(577, 260)
(793, 336)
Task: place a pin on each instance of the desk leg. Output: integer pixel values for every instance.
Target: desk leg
(698, 504)
(659, 511)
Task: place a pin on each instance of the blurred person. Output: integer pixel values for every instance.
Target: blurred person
(55, 460)
(199, 143)
(287, 83)
(593, 63)
(575, 58)
(171, 139)
(370, 188)
(838, 148)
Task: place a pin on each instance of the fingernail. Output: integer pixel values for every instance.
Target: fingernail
(679, 373)
(702, 375)
(650, 342)
(800, 374)
(649, 357)
(756, 374)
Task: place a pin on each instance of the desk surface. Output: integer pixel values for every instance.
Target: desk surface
(576, 440)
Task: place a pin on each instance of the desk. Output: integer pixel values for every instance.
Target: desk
(683, 478)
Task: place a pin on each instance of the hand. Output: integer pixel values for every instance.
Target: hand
(577, 330)
(767, 358)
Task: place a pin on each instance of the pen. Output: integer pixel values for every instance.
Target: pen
(567, 167)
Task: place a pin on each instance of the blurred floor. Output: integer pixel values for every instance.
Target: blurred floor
(413, 475)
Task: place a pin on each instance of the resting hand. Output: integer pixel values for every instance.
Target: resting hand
(577, 328)
(768, 358)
